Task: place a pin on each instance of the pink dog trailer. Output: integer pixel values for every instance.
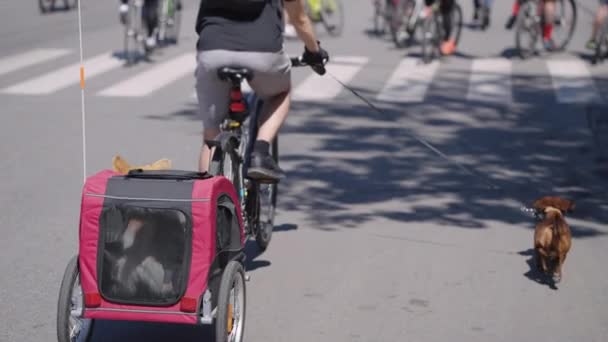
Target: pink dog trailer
(157, 246)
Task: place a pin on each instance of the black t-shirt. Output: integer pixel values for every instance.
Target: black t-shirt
(220, 30)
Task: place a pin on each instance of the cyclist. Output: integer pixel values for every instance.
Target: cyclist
(549, 18)
(448, 45)
(150, 15)
(249, 33)
(478, 8)
(600, 16)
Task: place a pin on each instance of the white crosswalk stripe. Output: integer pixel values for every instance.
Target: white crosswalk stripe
(65, 77)
(409, 82)
(317, 88)
(490, 81)
(572, 82)
(154, 79)
(23, 60)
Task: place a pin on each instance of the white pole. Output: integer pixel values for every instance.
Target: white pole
(82, 84)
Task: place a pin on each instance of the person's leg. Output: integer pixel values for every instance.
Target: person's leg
(600, 16)
(150, 13)
(514, 13)
(274, 87)
(477, 7)
(213, 99)
(123, 10)
(274, 113)
(548, 20)
(446, 8)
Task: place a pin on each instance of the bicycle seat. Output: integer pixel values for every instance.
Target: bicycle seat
(234, 74)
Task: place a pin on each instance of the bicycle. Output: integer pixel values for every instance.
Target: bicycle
(47, 6)
(135, 32)
(330, 13)
(405, 20)
(601, 47)
(170, 19)
(530, 22)
(433, 31)
(232, 152)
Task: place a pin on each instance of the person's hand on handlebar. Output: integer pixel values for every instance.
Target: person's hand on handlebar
(316, 58)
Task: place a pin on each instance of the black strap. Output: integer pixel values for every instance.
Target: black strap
(168, 174)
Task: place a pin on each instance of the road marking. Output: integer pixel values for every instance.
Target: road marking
(150, 81)
(317, 88)
(572, 82)
(409, 82)
(20, 61)
(490, 81)
(65, 77)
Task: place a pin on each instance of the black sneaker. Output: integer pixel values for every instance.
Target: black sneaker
(264, 169)
(510, 22)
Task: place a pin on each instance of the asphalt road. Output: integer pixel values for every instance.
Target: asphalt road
(378, 238)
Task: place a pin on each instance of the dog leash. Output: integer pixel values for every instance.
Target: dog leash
(484, 179)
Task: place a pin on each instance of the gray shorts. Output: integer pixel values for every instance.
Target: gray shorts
(271, 77)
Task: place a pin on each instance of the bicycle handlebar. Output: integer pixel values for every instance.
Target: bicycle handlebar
(318, 68)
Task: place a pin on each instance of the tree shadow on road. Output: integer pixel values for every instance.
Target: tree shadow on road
(348, 164)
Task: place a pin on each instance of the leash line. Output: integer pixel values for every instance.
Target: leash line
(422, 141)
(484, 179)
(82, 104)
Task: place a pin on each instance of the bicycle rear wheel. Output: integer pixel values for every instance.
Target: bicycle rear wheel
(267, 203)
(430, 38)
(226, 163)
(262, 199)
(528, 30)
(564, 24)
(332, 16)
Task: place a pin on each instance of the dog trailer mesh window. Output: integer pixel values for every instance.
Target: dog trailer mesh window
(144, 254)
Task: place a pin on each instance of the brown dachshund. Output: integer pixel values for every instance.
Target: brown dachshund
(552, 237)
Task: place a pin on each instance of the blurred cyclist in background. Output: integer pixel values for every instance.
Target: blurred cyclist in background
(548, 20)
(150, 14)
(448, 45)
(482, 11)
(600, 17)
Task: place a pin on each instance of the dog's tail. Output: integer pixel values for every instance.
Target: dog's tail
(555, 230)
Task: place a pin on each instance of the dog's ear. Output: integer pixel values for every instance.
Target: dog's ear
(120, 165)
(541, 203)
(564, 205)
